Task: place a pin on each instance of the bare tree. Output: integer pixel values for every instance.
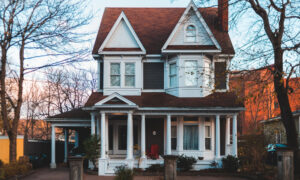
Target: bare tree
(272, 37)
(40, 27)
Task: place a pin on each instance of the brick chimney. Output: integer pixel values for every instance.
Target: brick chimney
(223, 14)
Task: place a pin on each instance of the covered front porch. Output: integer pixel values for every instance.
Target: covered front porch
(129, 138)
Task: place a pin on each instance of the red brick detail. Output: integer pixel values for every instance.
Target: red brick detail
(223, 14)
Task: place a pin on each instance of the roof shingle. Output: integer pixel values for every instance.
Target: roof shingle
(153, 26)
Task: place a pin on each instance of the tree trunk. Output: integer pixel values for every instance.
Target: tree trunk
(12, 146)
(283, 100)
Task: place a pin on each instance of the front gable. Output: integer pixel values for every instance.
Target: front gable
(205, 40)
(122, 37)
(115, 99)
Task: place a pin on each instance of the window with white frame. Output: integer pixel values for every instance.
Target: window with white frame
(190, 72)
(115, 74)
(172, 74)
(190, 33)
(190, 133)
(207, 137)
(130, 74)
(207, 77)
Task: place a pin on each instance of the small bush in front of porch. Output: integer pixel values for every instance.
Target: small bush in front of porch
(92, 149)
(155, 168)
(230, 163)
(124, 173)
(185, 163)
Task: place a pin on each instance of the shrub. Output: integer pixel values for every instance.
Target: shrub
(230, 163)
(185, 163)
(20, 167)
(155, 168)
(1, 163)
(92, 149)
(123, 173)
(2, 173)
(252, 153)
(214, 164)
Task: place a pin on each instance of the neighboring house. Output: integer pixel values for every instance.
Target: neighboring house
(256, 89)
(162, 88)
(274, 130)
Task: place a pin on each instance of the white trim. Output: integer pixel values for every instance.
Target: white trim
(70, 125)
(115, 95)
(67, 119)
(190, 51)
(18, 137)
(184, 108)
(122, 16)
(121, 52)
(191, 5)
(153, 90)
(153, 55)
(153, 61)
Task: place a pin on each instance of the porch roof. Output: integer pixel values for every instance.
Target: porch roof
(159, 99)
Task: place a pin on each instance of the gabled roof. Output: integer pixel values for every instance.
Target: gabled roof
(153, 26)
(155, 99)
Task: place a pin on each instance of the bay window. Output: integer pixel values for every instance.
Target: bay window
(190, 73)
(115, 75)
(130, 74)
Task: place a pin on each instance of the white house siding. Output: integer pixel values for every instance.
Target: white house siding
(202, 35)
(122, 37)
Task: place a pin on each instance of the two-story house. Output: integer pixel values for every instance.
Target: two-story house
(162, 87)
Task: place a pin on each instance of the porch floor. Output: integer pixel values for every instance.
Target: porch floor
(63, 173)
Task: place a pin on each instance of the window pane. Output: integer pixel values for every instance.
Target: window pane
(207, 131)
(190, 137)
(115, 68)
(208, 143)
(173, 131)
(114, 80)
(172, 81)
(191, 30)
(129, 80)
(190, 73)
(172, 69)
(129, 69)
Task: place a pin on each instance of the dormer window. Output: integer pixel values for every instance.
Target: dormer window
(190, 33)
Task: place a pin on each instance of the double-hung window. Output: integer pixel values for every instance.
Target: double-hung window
(115, 74)
(190, 133)
(190, 73)
(172, 74)
(208, 137)
(129, 74)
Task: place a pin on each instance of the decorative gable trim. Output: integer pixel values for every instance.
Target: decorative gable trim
(194, 7)
(118, 21)
(113, 96)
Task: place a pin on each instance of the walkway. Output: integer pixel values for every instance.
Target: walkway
(63, 174)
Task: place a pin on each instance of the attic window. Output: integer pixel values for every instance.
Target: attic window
(190, 33)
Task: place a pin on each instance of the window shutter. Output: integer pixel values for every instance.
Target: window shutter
(220, 75)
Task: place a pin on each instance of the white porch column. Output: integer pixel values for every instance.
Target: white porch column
(106, 135)
(180, 135)
(92, 123)
(129, 137)
(66, 145)
(168, 152)
(143, 138)
(98, 75)
(234, 136)
(102, 135)
(227, 130)
(53, 163)
(217, 136)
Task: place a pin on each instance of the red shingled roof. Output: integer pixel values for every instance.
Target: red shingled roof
(153, 26)
(217, 99)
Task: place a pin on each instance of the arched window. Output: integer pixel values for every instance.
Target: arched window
(190, 33)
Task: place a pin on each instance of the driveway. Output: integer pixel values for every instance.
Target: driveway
(63, 174)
